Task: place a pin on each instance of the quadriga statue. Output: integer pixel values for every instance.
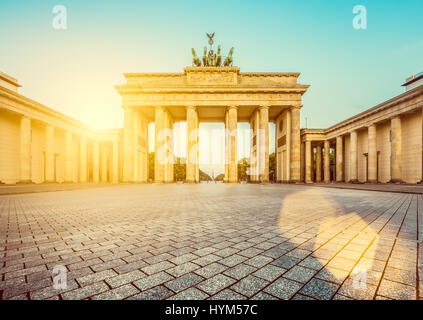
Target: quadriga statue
(195, 60)
(229, 59)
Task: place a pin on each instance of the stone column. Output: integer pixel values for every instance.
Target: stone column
(264, 144)
(308, 162)
(302, 162)
(96, 162)
(353, 157)
(192, 133)
(226, 178)
(318, 163)
(135, 133)
(288, 147)
(295, 145)
(339, 159)
(68, 157)
(115, 160)
(128, 146)
(25, 151)
(104, 164)
(327, 162)
(50, 170)
(168, 178)
(372, 155)
(159, 145)
(83, 160)
(232, 126)
(396, 146)
(144, 141)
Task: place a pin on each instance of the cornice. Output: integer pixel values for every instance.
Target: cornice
(208, 89)
(378, 108)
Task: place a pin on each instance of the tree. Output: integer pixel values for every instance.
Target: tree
(151, 166)
(204, 176)
(179, 169)
(220, 177)
(243, 166)
(272, 167)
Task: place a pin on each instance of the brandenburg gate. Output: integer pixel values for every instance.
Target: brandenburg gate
(211, 91)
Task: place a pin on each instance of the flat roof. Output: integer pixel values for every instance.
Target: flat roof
(412, 79)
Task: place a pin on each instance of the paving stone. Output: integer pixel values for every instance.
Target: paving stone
(286, 262)
(210, 258)
(258, 261)
(228, 294)
(182, 269)
(240, 271)
(155, 268)
(183, 282)
(283, 288)
(269, 272)
(233, 260)
(178, 260)
(313, 263)
(249, 286)
(396, 291)
(152, 281)
(319, 289)
(190, 294)
(85, 292)
(117, 293)
(156, 293)
(215, 284)
(125, 278)
(211, 270)
(263, 296)
(95, 277)
(299, 274)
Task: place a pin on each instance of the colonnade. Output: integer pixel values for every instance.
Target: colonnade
(99, 156)
(369, 149)
(135, 144)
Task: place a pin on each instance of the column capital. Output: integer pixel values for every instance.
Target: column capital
(264, 106)
(232, 106)
(299, 106)
(191, 107)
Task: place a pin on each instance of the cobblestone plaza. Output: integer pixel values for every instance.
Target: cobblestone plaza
(210, 241)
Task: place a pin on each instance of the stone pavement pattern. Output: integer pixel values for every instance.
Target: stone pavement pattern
(212, 242)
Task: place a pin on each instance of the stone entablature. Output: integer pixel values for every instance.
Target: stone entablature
(21, 105)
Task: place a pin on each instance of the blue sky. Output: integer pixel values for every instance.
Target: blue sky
(74, 70)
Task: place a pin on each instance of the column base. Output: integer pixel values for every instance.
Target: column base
(372, 181)
(68, 182)
(49, 182)
(192, 181)
(309, 182)
(399, 181)
(354, 181)
(23, 182)
(295, 182)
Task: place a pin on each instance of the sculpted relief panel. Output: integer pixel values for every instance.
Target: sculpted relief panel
(210, 78)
